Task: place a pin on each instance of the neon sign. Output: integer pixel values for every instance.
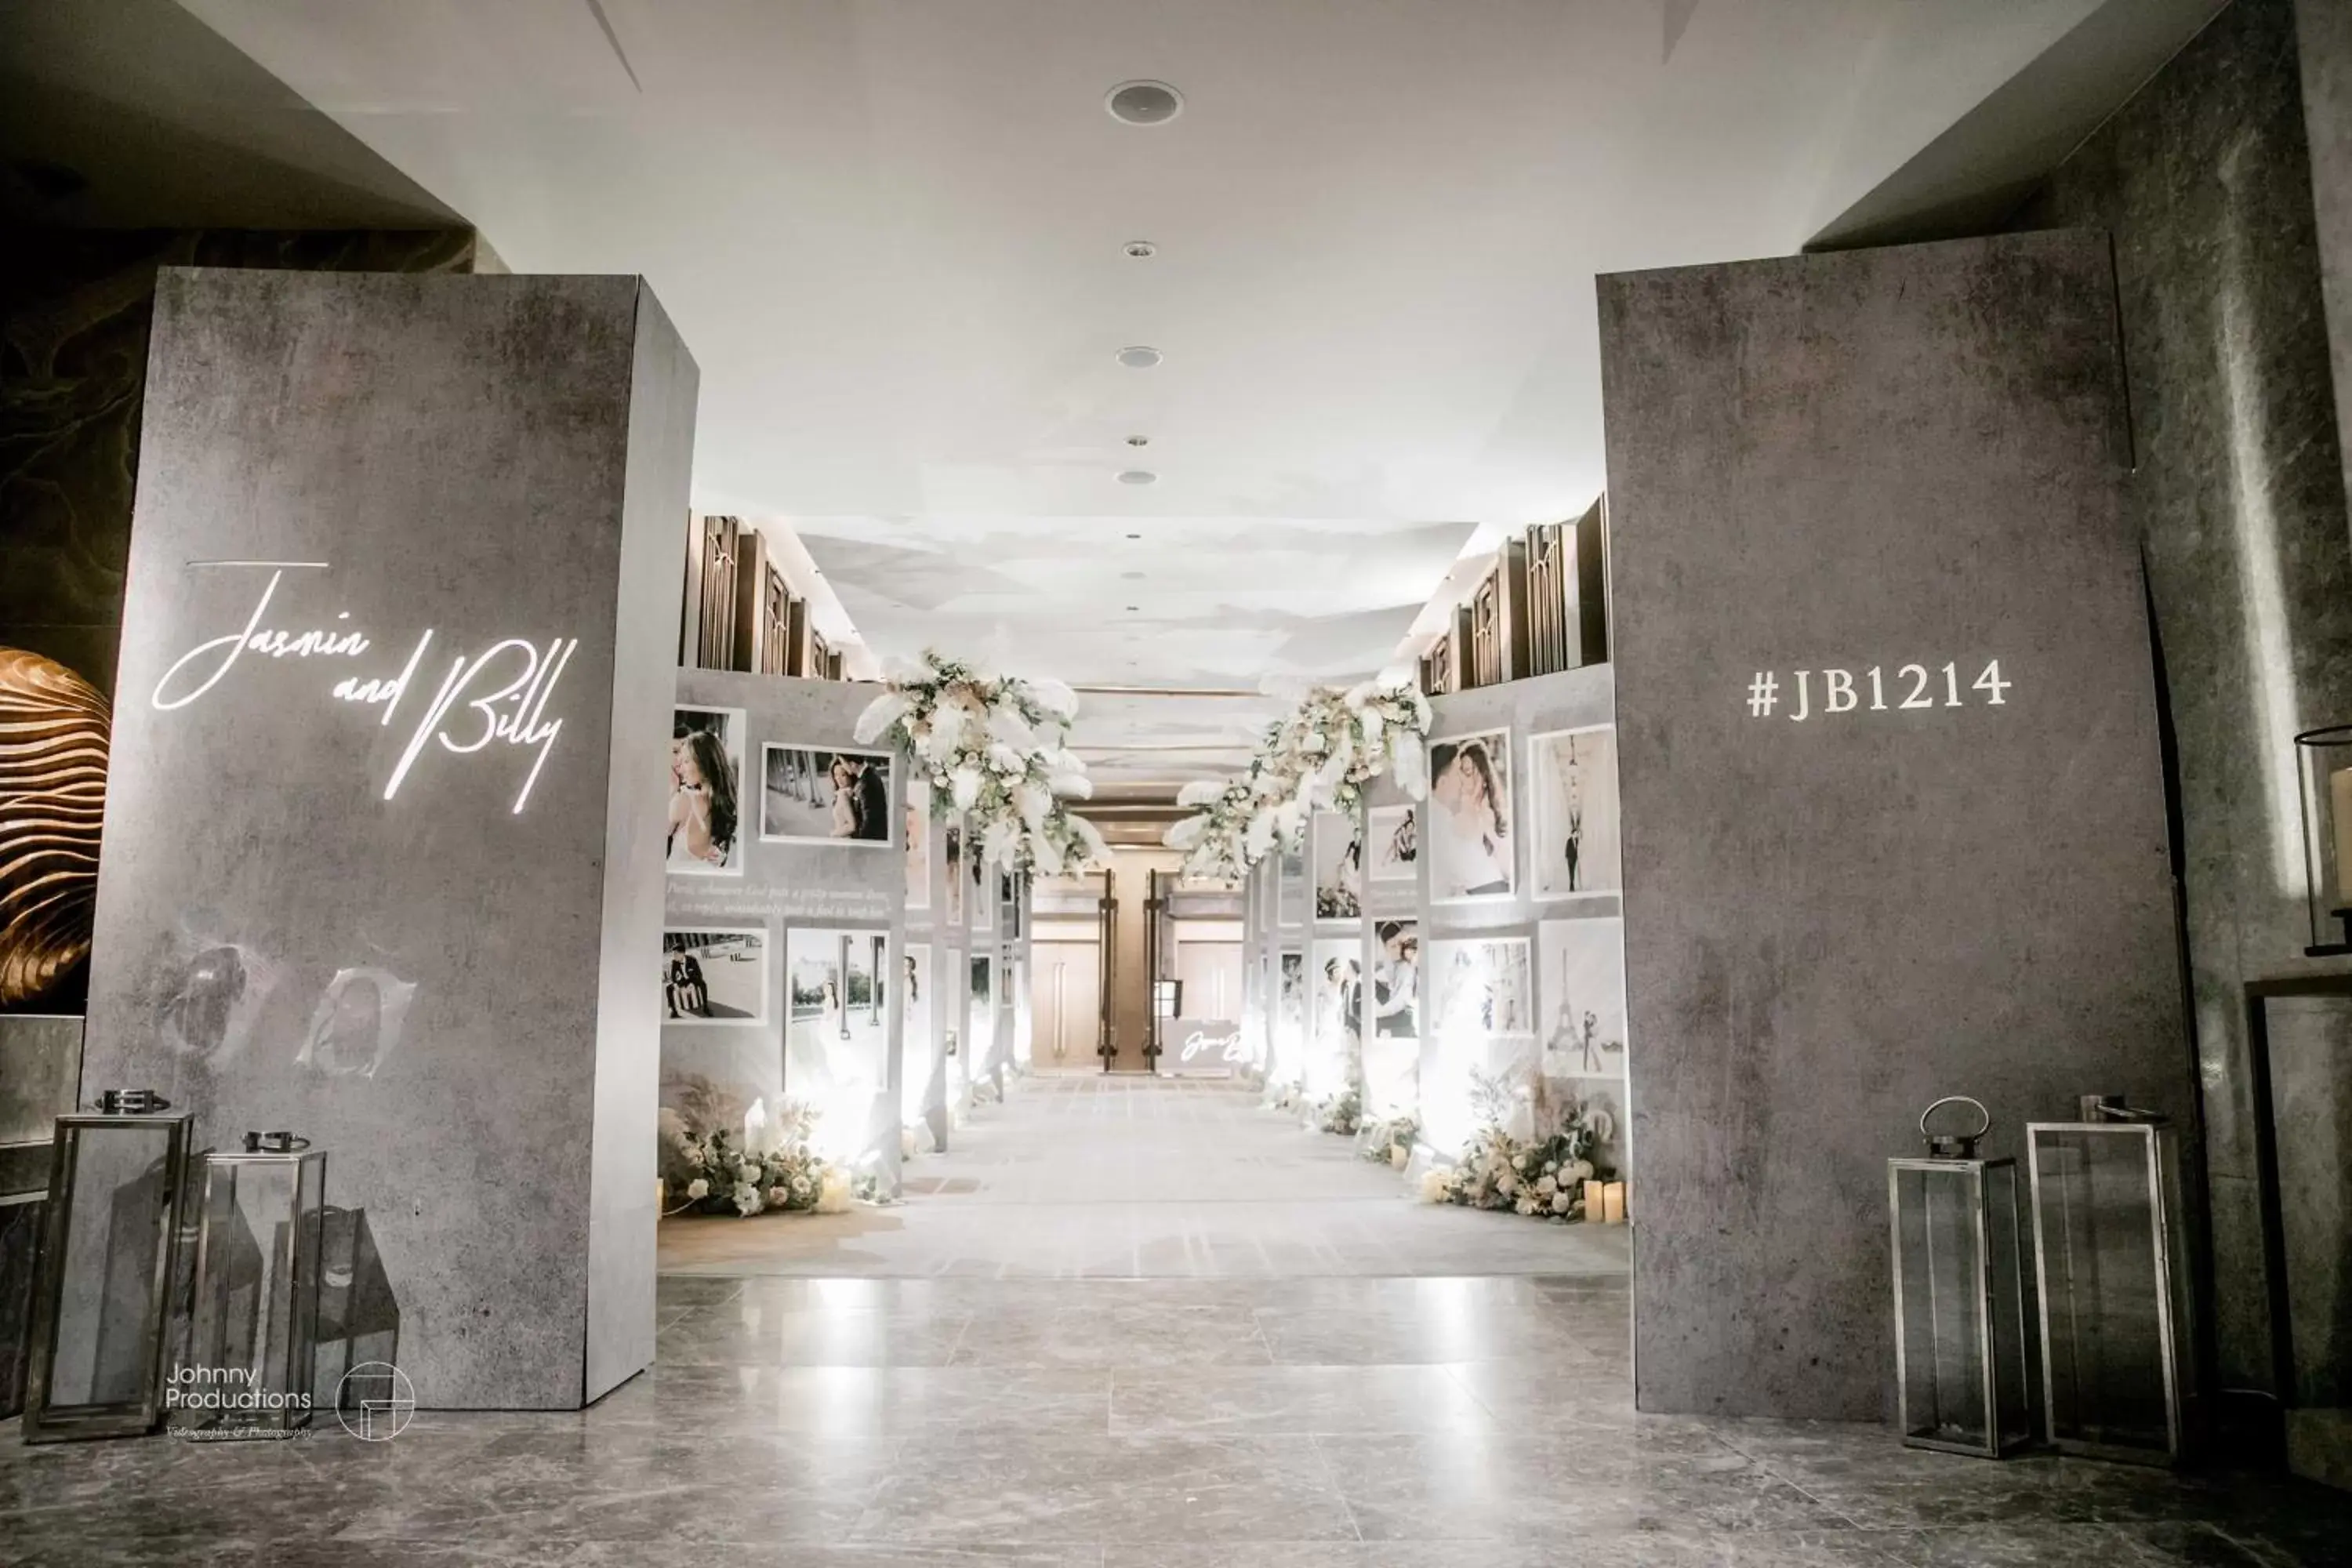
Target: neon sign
(496, 698)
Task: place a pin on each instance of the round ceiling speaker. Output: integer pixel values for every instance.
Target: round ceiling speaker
(1137, 477)
(1143, 102)
(54, 728)
(1136, 356)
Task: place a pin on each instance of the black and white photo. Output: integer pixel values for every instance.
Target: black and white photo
(836, 1034)
(1467, 822)
(1582, 987)
(1392, 843)
(1338, 846)
(1479, 988)
(811, 796)
(707, 827)
(715, 976)
(1573, 846)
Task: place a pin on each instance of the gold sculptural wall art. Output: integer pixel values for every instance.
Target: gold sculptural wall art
(53, 738)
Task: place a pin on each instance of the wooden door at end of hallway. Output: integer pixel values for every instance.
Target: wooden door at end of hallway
(1211, 973)
(1065, 1006)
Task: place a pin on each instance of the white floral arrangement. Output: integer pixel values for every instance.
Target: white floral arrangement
(1542, 1177)
(1388, 1142)
(993, 748)
(716, 1172)
(1342, 1115)
(1319, 757)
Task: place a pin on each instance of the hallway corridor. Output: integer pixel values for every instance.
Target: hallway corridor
(1097, 1176)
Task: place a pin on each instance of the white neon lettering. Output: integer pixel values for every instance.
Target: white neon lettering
(528, 692)
(233, 642)
(513, 712)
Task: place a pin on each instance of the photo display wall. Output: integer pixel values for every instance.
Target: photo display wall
(1494, 906)
(786, 972)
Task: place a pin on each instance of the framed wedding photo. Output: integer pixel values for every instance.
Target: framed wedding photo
(1465, 824)
(707, 824)
(1572, 844)
(811, 794)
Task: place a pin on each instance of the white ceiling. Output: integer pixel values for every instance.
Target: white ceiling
(891, 232)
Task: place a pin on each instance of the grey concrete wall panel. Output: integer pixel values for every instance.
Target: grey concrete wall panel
(785, 886)
(2324, 47)
(2237, 495)
(623, 1214)
(315, 914)
(1877, 458)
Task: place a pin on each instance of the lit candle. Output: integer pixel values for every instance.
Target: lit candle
(1613, 1202)
(2339, 816)
(1595, 1201)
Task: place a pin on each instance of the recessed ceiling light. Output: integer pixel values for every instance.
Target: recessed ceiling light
(1137, 477)
(1134, 536)
(1138, 356)
(1139, 441)
(1131, 609)
(1132, 576)
(1140, 250)
(1143, 102)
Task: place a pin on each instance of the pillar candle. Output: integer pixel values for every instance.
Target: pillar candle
(1594, 1203)
(2339, 817)
(1612, 1200)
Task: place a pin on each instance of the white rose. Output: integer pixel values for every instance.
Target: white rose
(1507, 1184)
(747, 1172)
(697, 1188)
(1548, 1185)
(1576, 1173)
(1560, 1201)
(1527, 1205)
(778, 1196)
(800, 1186)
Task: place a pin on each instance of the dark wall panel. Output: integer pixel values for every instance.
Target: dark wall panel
(1851, 462)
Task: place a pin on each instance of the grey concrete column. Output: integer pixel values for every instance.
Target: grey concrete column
(383, 857)
(1849, 894)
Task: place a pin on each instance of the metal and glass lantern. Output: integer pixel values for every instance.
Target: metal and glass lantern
(1961, 1349)
(109, 1250)
(253, 1331)
(2324, 767)
(2115, 1305)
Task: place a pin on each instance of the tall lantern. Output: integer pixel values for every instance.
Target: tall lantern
(1961, 1349)
(253, 1332)
(2115, 1305)
(109, 1250)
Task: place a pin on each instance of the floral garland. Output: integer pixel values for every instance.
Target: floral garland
(716, 1174)
(991, 747)
(1319, 757)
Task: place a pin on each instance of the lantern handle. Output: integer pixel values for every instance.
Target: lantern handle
(1984, 1117)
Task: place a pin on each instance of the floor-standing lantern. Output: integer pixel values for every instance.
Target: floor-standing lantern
(2115, 1306)
(109, 1250)
(1961, 1349)
(254, 1325)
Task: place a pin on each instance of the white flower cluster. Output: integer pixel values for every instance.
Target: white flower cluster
(991, 747)
(1318, 759)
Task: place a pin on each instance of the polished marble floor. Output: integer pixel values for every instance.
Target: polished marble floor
(964, 1411)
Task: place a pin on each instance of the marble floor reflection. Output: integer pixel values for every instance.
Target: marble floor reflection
(1302, 1420)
